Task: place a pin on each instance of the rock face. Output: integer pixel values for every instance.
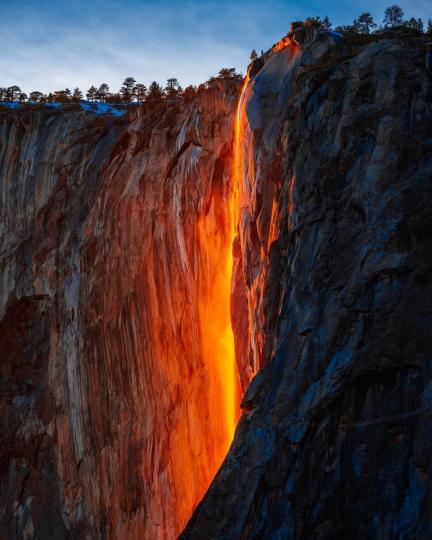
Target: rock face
(112, 417)
(115, 242)
(336, 254)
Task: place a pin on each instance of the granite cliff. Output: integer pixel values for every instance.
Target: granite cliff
(114, 418)
(119, 387)
(336, 251)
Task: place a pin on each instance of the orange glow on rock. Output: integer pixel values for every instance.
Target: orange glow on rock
(217, 230)
(286, 41)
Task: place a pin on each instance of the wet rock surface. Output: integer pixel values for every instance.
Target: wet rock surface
(335, 436)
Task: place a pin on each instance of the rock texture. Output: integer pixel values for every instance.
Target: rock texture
(336, 250)
(108, 428)
(113, 412)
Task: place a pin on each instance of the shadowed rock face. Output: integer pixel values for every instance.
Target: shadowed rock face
(106, 425)
(334, 440)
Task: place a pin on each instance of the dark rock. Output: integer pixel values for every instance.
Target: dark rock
(428, 58)
(334, 441)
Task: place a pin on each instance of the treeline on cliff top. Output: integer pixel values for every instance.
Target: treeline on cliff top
(131, 91)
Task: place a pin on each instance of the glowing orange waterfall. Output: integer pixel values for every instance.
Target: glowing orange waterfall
(238, 164)
(217, 229)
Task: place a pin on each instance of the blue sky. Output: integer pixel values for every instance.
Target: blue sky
(49, 45)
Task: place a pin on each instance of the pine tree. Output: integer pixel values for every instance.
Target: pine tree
(91, 93)
(102, 92)
(36, 96)
(227, 73)
(155, 93)
(393, 16)
(429, 28)
(126, 91)
(364, 23)
(140, 92)
(172, 87)
(77, 94)
(253, 55)
(12, 93)
(326, 24)
(416, 24)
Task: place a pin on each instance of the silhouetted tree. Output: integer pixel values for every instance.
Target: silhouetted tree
(126, 91)
(429, 28)
(172, 87)
(36, 96)
(393, 16)
(317, 22)
(155, 93)
(22, 97)
(91, 93)
(140, 92)
(415, 24)
(227, 73)
(77, 95)
(102, 92)
(12, 93)
(326, 24)
(254, 55)
(3, 93)
(364, 23)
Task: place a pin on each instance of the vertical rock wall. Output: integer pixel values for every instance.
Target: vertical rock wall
(108, 430)
(336, 254)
